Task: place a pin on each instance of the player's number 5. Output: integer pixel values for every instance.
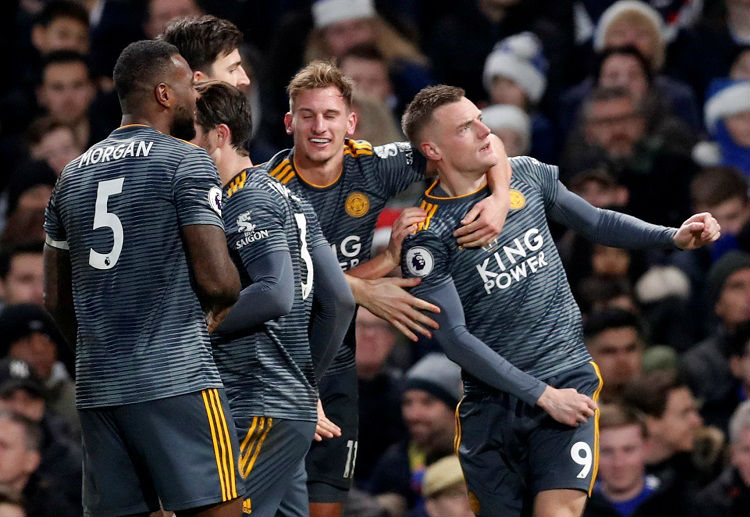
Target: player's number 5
(105, 219)
(307, 284)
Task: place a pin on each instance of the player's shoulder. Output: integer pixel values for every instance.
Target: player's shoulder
(530, 169)
(357, 149)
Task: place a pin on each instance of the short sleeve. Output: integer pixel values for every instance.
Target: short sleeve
(425, 256)
(197, 190)
(53, 227)
(538, 174)
(398, 165)
(254, 221)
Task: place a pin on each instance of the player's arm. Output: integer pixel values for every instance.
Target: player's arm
(216, 279)
(273, 282)
(484, 222)
(620, 230)
(473, 355)
(58, 291)
(333, 308)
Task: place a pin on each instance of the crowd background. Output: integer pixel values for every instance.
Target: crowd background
(644, 105)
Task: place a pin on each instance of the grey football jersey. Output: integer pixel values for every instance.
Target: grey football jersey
(119, 208)
(269, 372)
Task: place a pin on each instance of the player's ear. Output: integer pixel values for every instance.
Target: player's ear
(430, 150)
(288, 123)
(351, 123)
(163, 94)
(224, 134)
(200, 77)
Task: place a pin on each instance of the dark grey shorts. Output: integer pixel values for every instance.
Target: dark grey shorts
(330, 463)
(272, 465)
(511, 451)
(181, 450)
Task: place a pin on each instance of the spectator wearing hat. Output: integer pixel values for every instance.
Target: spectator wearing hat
(706, 365)
(727, 117)
(444, 489)
(515, 73)
(431, 392)
(28, 333)
(512, 125)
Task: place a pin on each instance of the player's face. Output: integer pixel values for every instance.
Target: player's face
(206, 139)
(461, 137)
(426, 417)
(675, 430)
(16, 461)
(228, 68)
(66, 91)
(24, 282)
(622, 458)
(619, 354)
(181, 82)
(733, 305)
(319, 121)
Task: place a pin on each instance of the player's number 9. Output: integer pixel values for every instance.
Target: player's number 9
(581, 454)
(102, 219)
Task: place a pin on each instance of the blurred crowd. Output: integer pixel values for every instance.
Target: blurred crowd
(645, 107)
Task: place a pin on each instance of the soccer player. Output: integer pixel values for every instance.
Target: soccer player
(135, 242)
(269, 364)
(508, 317)
(348, 184)
(210, 45)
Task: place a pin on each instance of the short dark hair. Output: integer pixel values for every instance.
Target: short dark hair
(32, 432)
(419, 111)
(610, 318)
(8, 252)
(222, 103)
(715, 185)
(62, 57)
(617, 415)
(607, 93)
(649, 393)
(202, 39)
(626, 50)
(141, 66)
(62, 9)
(41, 127)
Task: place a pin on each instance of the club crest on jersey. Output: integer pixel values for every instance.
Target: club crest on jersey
(517, 199)
(214, 199)
(357, 204)
(419, 261)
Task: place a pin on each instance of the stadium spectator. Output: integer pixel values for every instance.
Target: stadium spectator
(375, 122)
(367, 67)
(729, 494)
(380, 386)
(11, 503)
(431, 391)
(623, 488)
(613, 338)
(739, 360)
(706, 364)
(515, 73)
(29, 334)
(21, 274)
(61, 25)
(512, 125)
(53, 142)
(160, 12)
(444, 489)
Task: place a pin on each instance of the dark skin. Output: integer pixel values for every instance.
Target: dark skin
(216, 279)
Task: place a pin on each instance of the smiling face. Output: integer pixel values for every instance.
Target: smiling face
(320, 120)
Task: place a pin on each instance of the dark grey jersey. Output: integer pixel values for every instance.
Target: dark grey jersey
(269, 372)
(514, 293)
(119, 208)
(349, 207)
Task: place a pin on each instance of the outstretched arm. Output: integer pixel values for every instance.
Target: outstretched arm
(564, 405)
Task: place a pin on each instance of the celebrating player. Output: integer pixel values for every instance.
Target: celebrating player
(508, 317)
(134, 232)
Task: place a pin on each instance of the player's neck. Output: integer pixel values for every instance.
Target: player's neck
(623, 495)
(129, 119)
(319, 173)
(230, 163)
(456, 183)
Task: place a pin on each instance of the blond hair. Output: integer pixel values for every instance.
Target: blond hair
(320, 74)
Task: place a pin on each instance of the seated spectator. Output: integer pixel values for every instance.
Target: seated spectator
(739, 360)
(22, 274)
(515, 73)
(11, 503)
(706, 365)
(366, 66)
(431, 393)
(52, 142)
(160, 12)
(29, 334)
(622, 487)
(599, 187)
(596, 293)
(375, 122)
(444, 489)
(727, 115)
(613, 338)
(512, 125)
(729, 495)
(61, 25)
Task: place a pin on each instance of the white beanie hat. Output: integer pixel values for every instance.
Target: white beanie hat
(502, 116)
(520, 58)
(327, 12)
(620, 7)
(725, 97)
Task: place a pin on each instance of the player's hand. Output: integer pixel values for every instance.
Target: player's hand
(698, 230)
(387, 299)
(567, 406)
(405, 224)
(483, 223)
(214, 319)
(325, 428)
